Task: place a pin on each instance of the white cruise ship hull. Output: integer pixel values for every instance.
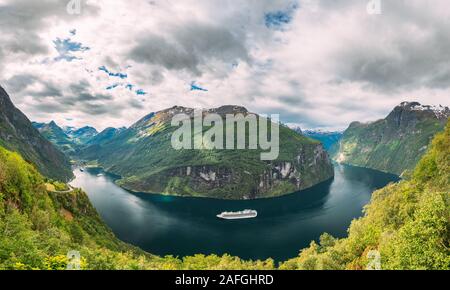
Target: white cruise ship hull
(238, 215)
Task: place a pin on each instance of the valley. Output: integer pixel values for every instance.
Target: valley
(185, 226)
(172, 220)
(145, 159)
(224, 135)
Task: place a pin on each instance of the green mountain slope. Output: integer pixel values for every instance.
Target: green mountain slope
(70, 140)
(143, 156)
(56, 135)
(105, 136)
(83, 135)
(18, 134)
(38, 228)
(394, 144)
(408, 223)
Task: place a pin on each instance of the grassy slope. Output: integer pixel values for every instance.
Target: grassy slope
(408, 223)
(38, 228)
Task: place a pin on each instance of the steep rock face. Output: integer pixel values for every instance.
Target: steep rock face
(396, 143)
(18, 134)
(143, 156)
(217, 181)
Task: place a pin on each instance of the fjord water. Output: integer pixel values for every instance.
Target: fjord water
(166, 225)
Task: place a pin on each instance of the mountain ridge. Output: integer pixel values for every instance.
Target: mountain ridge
(394, 144)
(146, 161)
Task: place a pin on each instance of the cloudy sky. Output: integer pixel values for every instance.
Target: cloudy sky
(317, 63)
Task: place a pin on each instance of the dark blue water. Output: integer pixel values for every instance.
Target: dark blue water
(176, 226)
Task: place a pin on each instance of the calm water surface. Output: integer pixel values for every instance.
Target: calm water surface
(177, 226)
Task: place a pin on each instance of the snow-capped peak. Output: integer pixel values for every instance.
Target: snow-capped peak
(439, 111)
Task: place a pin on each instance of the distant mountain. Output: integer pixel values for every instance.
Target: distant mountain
(143, 156)
(55, 134)
(71, 140)
(68, 130)
(18, 134)
(38, 125)
(105, 136)
(393, 144)
(83, 135)
(328, 139)
(68, 139)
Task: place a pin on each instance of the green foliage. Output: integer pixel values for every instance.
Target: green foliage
(408, 223)
(38, 229)
(388, 146)
(146, 162)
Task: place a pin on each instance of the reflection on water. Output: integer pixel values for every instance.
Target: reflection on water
(166, 225)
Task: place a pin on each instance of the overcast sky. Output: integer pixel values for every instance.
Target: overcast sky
(319, 64)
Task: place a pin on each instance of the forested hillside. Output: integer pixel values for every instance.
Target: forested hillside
(146, 161)
(394, 144)
(17, 134)
(407, 223)
(39, 227)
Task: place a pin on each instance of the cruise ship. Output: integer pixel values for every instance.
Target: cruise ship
(246, 214)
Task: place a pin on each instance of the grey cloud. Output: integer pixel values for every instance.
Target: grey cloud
(49, 90)
(50, 108)
(293, 100)
(19, 83)
(404, 60)
(19, 86)
(101, 109)
(89, 97)
(111, 63)
(52, 99)
(22, 20)
(80, 87)
(303, 116)
(136, 104)
(85, 103)
(189, 47)
(80, 93)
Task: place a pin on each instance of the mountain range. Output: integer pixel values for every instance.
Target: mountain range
(71, 140)
(406, 222)
(394, 144)
(327, 138)
(144, 158)
(82, 135)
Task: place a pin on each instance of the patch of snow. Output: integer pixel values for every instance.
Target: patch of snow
(439, 111)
